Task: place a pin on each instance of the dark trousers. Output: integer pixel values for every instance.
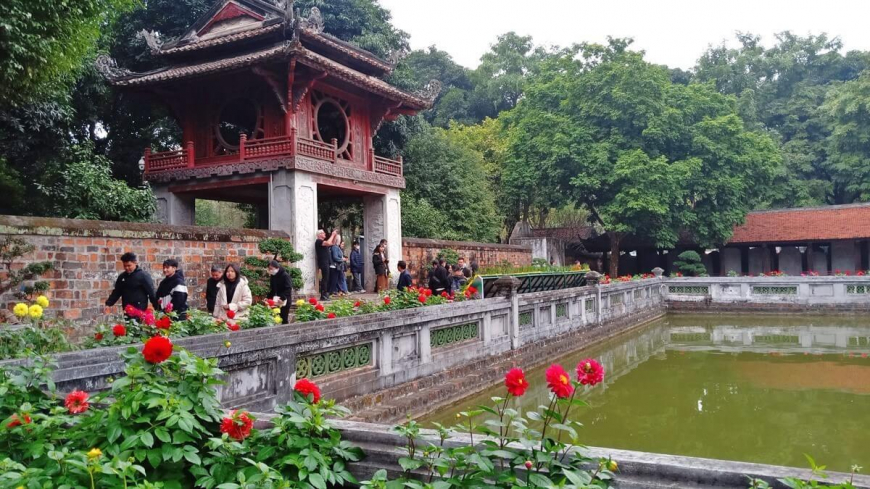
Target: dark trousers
(285, 313)
(357, 281)
(334, 281)
(324, 282)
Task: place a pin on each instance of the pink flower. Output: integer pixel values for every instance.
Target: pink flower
(590, 372)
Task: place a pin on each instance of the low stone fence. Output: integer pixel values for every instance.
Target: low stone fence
(363, 354)
(419, 253)
(739, 294)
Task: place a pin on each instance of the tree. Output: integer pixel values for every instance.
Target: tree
(689, 263)
(847, 114)
(43, 43)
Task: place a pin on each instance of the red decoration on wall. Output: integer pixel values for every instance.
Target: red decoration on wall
(230, 11)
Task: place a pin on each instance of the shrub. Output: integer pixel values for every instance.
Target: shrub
(254, 268)
(449, 255)
(689, 263)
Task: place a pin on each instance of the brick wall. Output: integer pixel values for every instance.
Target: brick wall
(419, 253)
(85, 255)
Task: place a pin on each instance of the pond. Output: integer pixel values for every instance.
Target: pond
(754, 388)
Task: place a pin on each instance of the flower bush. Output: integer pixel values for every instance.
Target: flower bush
(161, 425)
(514, 454)
(393, 300)
(35, 335)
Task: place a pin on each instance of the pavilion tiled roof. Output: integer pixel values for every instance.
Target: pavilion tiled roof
(565, 233)
(801, 225)
(223, 40)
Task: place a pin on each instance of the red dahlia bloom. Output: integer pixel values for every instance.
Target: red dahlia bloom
(164, 323)
(387, 300)
(148, 318)
(428, 292)
(358, 303)
(168, 308)
(558, 381)
(157, 349)
(132, 311)
(445, 294)
(76, 402)
(422, 298)
(237, 425)
(590, 372)
(306, 387)
(319, 307)
(119, 330)
(231, 314)
(472, 289)
(515, 381)
(270, 302)
(312, 301)
(16, 421)
(98, 336)
(233, 326)
(330, 315)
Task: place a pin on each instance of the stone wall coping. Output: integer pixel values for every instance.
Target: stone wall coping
(788, 279)
(463, 245)
(53, 226)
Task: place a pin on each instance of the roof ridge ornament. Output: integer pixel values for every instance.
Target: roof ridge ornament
(152, 39)
(430, 92)
(395, 57)
(314, 21)
(109, 68)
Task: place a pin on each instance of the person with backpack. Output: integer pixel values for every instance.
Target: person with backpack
(172, 290)
(133, 286)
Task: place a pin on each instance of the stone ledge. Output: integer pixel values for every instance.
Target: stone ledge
(441, 244)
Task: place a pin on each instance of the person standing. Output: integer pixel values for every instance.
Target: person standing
(323, 256)
(281, 288)
(356, 267)
(211, 288)
(460, 263)
(438, 279)
(336, 268)
(173, 290)
(234, 295)
(134, 287)
(404, 277)
(380, 265)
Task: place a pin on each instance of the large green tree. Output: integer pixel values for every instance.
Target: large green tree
(847, 113)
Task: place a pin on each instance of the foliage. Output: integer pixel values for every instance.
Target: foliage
(44, 43)
(85, 189)
(795, 483)
(31, 340)
(449, 255)
(254, 268)
(846, 112)
(393, 300)
(11, 250)
(689, 263)
(259, 316)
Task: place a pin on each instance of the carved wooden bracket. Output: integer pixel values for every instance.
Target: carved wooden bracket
(272, 80)
(303, 88)
(386, 112)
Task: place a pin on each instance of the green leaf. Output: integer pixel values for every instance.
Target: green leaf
(540, 480)
(409, 464)
(317, 481)
(192, 458)
(163, 434)
(147, 439)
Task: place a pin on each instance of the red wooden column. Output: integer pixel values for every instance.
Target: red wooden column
(243, 138)
(191, 155)
(293, 149)
(401, 166)
(147, 158)
(335, 150)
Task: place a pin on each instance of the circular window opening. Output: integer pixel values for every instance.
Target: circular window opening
(238, 116)
(332, 123)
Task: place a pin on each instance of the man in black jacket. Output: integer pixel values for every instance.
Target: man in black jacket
(211, 287)
(172, 290)
(439, 281)
(280, 288)
(134, 287)
(404, 277)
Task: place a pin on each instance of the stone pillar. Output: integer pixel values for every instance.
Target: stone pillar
(172, 208)
(385, 353)
(508, 287)
(293, 209)
(845, 255)
(790, 261)
(382, 219)
(731, 261)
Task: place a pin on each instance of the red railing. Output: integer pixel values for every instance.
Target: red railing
(317, 149)
(388, 166)
(265, 148)
(169, 160)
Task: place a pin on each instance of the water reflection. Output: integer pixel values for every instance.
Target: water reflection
(759, 388)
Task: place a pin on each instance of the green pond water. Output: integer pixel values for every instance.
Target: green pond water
(764, 389)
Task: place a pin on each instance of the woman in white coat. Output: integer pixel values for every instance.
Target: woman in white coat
(233, 294)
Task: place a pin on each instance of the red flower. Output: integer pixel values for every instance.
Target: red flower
(231, 314)
(157, 349)
(164, 323)
(98, 336)
(515, 381)
(237, 425)
(358, 303)
(233, 326)
(472, 289)
(590, 372)
(270, 302)
(306, 387)
(148, 318)
(387, 300)
(312, 301)
(330, 315)
(428, 292)
(445, 294)
(558, 381)
(168, 308)
(16, 421)
(132, 311)
(422, 298)
(76, 402)
(119, 330)
(319, 307)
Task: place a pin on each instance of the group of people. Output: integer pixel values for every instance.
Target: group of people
(449, 278)
(226, 290)
(334, 265)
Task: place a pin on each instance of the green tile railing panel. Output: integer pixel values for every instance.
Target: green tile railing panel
(779, 339)
(562, 310)
(775, 290)
(859, 341)
(452, 335)
(689, 289)
(590, 304)
(858, 289)
(616, 299)
(690, 337)
(526, 318)
(333, 361)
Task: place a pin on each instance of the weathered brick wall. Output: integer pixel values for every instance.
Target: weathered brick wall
(85, 255)
(419, 253)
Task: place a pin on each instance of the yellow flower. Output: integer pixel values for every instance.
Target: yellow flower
(300, 302)
(227, 344)
(276, 311)
(95, 453)
(42, 301)
(35, 311)
(20, 309)
(277, 319)
(611, 466)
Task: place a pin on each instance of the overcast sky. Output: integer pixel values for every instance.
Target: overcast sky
(672, 32)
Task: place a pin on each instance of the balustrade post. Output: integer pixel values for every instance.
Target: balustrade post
(371, 159)
(385, 354)
(147, 159)
(191, 156)
(401, 166)
(293, 149)
(509, 287)
(335, 150)
(243, 138)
